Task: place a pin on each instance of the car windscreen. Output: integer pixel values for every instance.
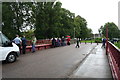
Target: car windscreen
(4, 39)
(0, 40)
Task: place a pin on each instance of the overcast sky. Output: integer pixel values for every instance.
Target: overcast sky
(96, 12)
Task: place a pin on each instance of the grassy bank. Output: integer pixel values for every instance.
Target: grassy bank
(88, 41)
(118, 44)
(96, 40)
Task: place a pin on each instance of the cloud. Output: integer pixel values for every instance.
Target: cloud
(96, 12)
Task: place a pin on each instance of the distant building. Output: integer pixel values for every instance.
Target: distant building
(119, 15)
(96, 35)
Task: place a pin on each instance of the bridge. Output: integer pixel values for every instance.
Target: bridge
(89, 61)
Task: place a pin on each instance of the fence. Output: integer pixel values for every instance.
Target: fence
(114, 60)
(39, 42)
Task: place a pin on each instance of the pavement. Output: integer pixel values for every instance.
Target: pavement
(0, 70)
(94, 66)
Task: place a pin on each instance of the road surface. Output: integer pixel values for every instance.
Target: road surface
(57, 62)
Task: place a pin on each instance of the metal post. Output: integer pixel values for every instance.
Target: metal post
(106, 39)
(80, 40)
(74, 32)
(1, 24)
(74, 35)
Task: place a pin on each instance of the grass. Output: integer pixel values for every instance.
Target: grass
(93, 41)
(88, 41)
(118, 44)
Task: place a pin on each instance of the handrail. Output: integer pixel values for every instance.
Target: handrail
(114, 60)
(46, 42)
(39, 42)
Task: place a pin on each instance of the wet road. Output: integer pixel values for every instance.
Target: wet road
(50, 63)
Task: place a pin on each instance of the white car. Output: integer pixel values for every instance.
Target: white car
(8, 51)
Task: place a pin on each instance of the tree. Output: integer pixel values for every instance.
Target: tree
(84, 29)
(23, 17)
(17, 17)
(89, 33)
(7, 18)
(113, 31)
(53, 21)
(46, 19)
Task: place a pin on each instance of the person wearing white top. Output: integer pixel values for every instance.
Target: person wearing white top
(18, 41)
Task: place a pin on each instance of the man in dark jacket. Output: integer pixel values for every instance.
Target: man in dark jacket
(24, 44)
(77, 45)
(103, 41)
(53, 42)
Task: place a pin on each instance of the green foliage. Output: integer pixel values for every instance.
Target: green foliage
(118, 44)
(88, 41)
(7, 18)
(55, 21)
(113, 31)
(98, 40)
(47, 19)
(16, 17)
(28, 34)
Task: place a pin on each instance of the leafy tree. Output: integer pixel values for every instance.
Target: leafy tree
(19, 17)
(53, 21)
(81, 30)
(113, 31)
(89, 33)
(23, 18)
(7, 18)
(46, 19)
(84, 28)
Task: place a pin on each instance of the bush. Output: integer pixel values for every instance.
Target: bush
(98, 40)
(118, 44)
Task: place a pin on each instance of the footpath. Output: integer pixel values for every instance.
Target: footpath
(94, 66)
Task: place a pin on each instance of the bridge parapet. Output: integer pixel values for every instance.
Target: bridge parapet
(114, 60)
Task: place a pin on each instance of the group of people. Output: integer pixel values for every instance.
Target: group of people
(56, 42)
(22, 43)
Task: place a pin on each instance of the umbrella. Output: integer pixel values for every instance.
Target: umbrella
(67, 36)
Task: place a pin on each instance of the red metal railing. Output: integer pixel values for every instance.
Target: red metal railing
(46, 42)
(40, 42)
(114, 60)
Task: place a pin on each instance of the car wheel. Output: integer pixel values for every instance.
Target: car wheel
(11, 58)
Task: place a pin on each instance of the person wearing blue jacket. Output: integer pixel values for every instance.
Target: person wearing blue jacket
(24, 44)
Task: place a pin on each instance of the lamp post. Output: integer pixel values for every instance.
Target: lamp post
(74, 32)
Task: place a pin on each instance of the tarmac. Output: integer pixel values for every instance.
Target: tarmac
(59, 62)
(88, 62)
(94, 66)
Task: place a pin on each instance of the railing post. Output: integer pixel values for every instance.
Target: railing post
(106, 40)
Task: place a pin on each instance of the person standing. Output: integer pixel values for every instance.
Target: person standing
(34, 40)
(53, 42)
(63, 41)
(77, 45)
(18, 42)
(68, 41)
(24, 44)
(58, 42)
(103, 42)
